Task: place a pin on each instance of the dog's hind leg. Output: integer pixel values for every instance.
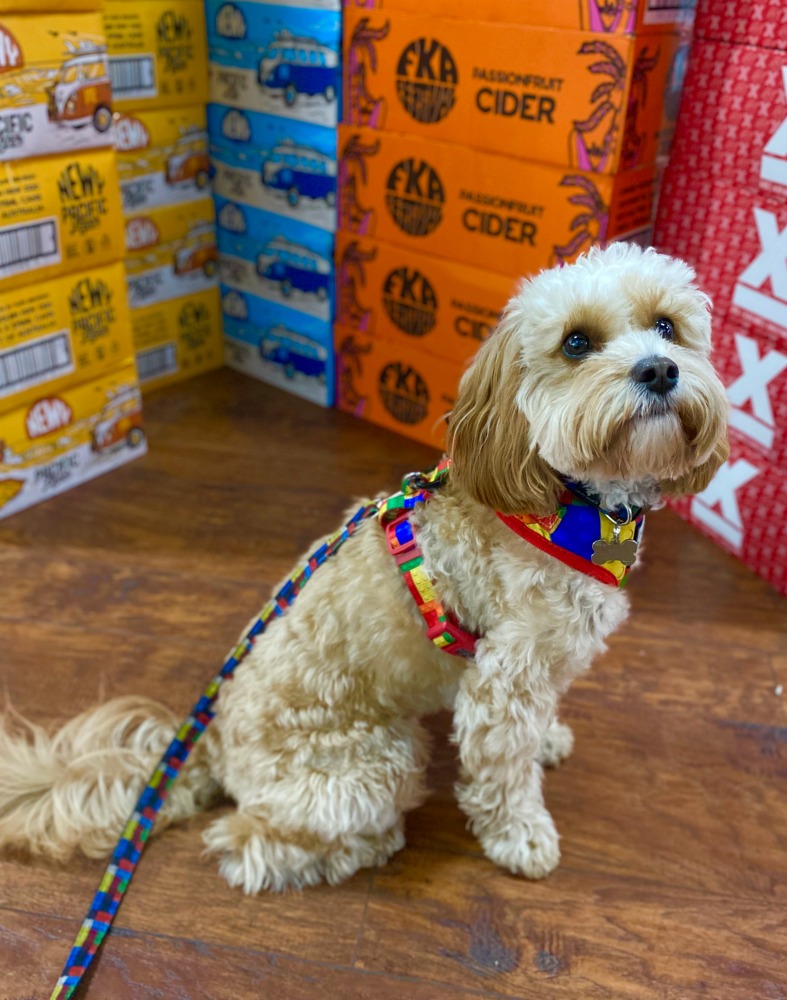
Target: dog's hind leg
(556, 744)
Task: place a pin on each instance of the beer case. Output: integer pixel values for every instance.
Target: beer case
(276, 258)
(162, 156)
(277, 59)
(494, 212)
(55, 91)
(158, 53)
(63, 438)
(57, 215)
(178, 338)
(395, 384)
(282, 166)
(566, 97)
(279, 346)
(437, 306)
(748, 22)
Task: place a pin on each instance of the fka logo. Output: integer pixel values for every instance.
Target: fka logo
(194, 323)
(404, 393)
(415, 196)
(410, 301)
(88, 295)
(11, 56)
(47, 416)
(130, 134)
(773, 166)
(230, 22)
(173, 28)
(142, 232)
(769, 264)
(717, 506)
(234, 305)
(78, 182)
(235, 126)
(232, 218)
(426, 80)
(751, 388)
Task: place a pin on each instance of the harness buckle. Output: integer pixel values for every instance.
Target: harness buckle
(400, 538)
(463, 643)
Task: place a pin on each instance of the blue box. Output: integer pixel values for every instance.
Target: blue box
(276, 59)
(278, 345)
(275, 164)
(278, 259)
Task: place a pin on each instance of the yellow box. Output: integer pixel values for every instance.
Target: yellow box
(63, 439)
(46, 6)
(55, 94)
(178, 338)
(58, 215)
(162, 156)
(55, 334)
(158, 53)
(438, 306)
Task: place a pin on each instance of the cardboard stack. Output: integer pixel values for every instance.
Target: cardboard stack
(159, 70)
(274, 84)
(70, 406)
(724, 209)
(481, 143)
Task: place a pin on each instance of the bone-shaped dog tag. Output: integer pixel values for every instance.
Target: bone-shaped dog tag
(614, 551)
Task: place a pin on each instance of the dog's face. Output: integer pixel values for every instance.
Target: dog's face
(599, 371)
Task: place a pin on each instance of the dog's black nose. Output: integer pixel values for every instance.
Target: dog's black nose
(659, 375)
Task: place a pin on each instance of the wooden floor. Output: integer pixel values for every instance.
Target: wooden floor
(673, 809)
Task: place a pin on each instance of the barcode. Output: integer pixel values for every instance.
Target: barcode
(24, 366)
(668, 10)
(156, 362)
(132, 76)
(28, 246)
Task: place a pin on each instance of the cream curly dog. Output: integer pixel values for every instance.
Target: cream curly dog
(599, 372)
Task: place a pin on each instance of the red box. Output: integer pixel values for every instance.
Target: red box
(743, 22)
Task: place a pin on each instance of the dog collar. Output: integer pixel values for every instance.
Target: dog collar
(602, 544)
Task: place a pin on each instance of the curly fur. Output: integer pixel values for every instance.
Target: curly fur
(318, 739)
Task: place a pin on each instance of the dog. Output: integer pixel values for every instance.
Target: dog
(597, 380)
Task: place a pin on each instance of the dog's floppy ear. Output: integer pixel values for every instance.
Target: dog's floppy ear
(697, 479)
(494, 459)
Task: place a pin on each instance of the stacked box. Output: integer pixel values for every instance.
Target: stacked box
(275, 87)
(159, 69)
(70, 407)
(724, 209)
(508, 144)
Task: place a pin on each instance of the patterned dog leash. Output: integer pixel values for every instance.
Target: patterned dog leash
(416, 488)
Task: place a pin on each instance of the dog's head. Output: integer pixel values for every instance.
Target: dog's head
(598, 371)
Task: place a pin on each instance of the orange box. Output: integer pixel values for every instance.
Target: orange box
(610, 17)
(394, 384)
(566, 97)
(439, 307)
(494, 212)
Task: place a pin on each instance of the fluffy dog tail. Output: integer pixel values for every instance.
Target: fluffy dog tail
(75, 789)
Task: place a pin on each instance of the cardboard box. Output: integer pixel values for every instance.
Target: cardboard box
(55, 94)
(162, 156)
(564, 97)
(395, 385)
(744, 22)
(618, 17)
(275, 258)
(56, 334)
(178, 338)
(280, 60)
(158, 53)
(275, 164)
(278, 345)
(58, 215)
(440, 307)
(46, 6)
(61, 440)
(494, 212)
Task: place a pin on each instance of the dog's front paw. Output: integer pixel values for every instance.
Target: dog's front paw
(527, 848)
(556, 744)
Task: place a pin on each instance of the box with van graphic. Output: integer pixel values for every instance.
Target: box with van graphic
(601, 104)
(162, 156)
(282, 166)
(276, 258)
(58, 214)
(55, 92)
(158, 53)
(278, 345)
(493, 212)
(63, 438)
(280, 60)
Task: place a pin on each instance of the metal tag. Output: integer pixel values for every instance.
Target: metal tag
(605, 551)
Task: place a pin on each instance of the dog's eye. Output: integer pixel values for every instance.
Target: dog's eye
(576, 345)
(664, 328)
